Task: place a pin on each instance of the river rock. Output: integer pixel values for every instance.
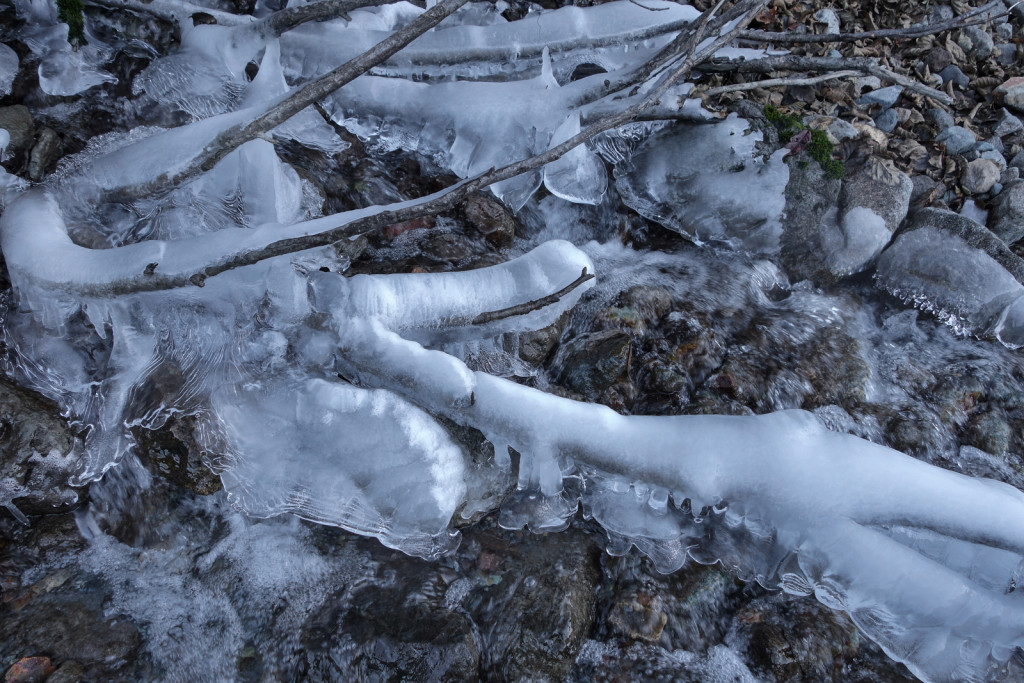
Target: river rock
(810, 195)
(45, 153)
(1006, 213)
(981, 43)
(884, 97)
(37, 453)
(17, 120)
(491, 219)
(980, 175)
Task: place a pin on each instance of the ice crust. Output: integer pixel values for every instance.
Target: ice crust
(707, 183)
(319, 395)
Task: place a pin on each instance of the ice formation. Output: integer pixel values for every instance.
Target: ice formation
(319, 395)
(707, 183)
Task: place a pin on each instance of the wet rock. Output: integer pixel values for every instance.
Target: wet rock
(29, 670)
(1006, 213)
(640, 617)
(810, 195)
(956, 139)
(595, 361)
(173, 454)
(1012, 93)
(379, 633)
(70, 623)
(491, 219)
(17, 120)
(37, 452)
(980, 175)
(45, 153)
(541, 611)
(989, 432)
(535, 346)
(791, 640)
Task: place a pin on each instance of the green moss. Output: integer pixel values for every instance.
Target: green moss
(819, 148)
(71, 13)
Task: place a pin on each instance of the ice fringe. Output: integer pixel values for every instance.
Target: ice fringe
(927, 562)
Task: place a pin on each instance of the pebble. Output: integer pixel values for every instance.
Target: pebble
(1012, 92)
(941, 118)
(997, 144)
(1018, 161)
(886, 121)
(996, 189)
(29, 670)
(980, 176)
(953, 73)
(1006, 54)
(886, 97)
(941, 13)
(957, 139)
(1004, 30)
(982, 44)
(842, 130)
(995, 156)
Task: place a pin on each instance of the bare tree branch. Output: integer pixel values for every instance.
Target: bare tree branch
(774, 82)
(805, 63)
(979, 15)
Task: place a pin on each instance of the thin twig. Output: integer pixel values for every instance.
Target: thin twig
(530, 306)
(968, 19)
(774, 82)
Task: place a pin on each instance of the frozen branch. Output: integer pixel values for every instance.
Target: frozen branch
(231, 139)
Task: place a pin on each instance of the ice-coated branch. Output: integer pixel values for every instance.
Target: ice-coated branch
(191, 262)
(925, 560)
(284, 108)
